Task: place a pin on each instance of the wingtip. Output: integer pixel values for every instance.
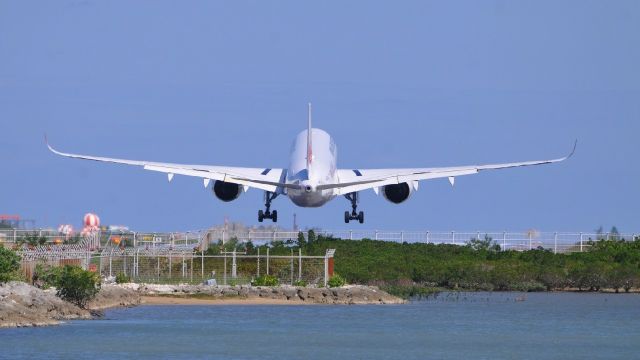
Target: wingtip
(575, 145)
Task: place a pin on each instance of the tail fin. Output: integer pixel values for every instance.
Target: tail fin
(309, 147)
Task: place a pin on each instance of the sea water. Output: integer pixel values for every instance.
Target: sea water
(449, 326)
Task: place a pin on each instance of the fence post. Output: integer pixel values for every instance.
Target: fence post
(478, 235)
(401, 236)
(504, 241)
(376, 234)
(258, 262)
(350, 234)
(225, 268)
(299, 264)
(202, 264)
(555, 242)
(291, 261)
(453, 237)
(267, 261)
(326, 269)
(427, 237)
(158, 259)
(15, 235)
(581, 240)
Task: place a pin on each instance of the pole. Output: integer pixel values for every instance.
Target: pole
(581, 240)
(326, 270)
(291, 266)
(530, 244)
(225, 268)
(258, 262)
(555, 243)
(504, 240)
(267, 261)
(299, 264)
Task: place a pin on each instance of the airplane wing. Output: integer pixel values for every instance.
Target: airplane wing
(362, 179)
(267, 179)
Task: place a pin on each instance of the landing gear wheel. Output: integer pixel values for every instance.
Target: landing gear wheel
(353, 215)
(268, 214)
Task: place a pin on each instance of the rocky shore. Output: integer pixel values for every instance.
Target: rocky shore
(347, 295)
(23, 305)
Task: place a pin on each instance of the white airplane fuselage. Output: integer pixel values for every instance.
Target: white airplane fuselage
(320, 169)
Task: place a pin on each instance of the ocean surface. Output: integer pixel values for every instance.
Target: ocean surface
(449, 326)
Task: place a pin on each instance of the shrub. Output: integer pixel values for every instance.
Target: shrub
(122, 278)
(46, 276)
(266, 280)
(77, 285)
(9, 265)
(336, 281)
(300, 283)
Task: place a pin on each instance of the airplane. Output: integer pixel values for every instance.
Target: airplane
(312, 178)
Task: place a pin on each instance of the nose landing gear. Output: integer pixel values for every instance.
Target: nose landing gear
(354, 215)
(268, 214)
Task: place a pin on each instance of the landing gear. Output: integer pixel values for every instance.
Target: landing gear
(354, 215)
(268, 214)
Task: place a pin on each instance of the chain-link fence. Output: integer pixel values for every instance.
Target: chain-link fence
(169, 267)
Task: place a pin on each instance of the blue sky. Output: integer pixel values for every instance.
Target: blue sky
(397, 84)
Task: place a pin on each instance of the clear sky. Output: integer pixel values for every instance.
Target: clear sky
(397, 84)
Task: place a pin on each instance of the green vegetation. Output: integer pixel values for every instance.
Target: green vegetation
(32, 239)
(46, 276)
(336, 281)
(300, 283)
(77, 285)
(266, 280)
(9, 265)
(417, 269)
(122, 278)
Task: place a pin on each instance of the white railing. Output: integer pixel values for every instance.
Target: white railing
(555, 241)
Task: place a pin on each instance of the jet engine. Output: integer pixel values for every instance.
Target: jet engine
(226, 191)
(397, 193)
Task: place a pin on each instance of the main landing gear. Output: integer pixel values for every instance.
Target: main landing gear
(268, 214)
(354, 215)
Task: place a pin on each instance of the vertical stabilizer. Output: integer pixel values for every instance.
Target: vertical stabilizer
(309, 147)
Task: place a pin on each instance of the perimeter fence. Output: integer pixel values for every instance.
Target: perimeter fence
(559, 242)
(230, 268)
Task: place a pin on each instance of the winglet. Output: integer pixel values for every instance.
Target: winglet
(46, 141)
(575, 145)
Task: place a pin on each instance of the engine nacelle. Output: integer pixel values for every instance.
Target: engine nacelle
(226, 191)
(397, 193)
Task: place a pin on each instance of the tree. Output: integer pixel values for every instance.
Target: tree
(311, 236)
(78, 285)
(9, 264)
(301, 240)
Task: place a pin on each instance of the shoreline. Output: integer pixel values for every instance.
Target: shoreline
(188, 300)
